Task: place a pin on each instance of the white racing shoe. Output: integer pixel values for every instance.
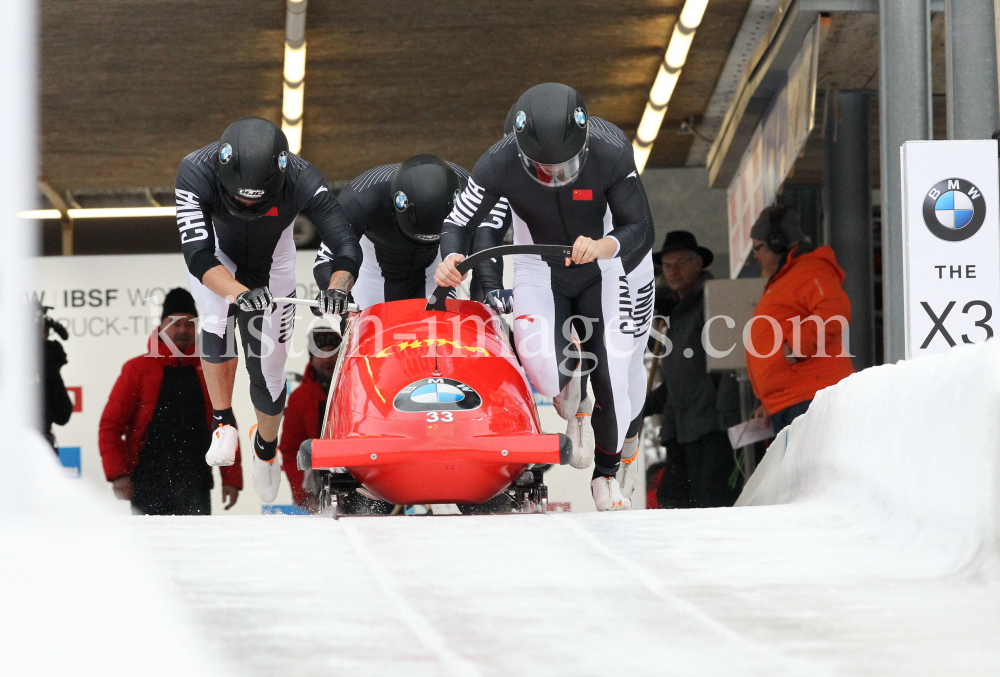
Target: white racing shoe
(266, 474)
(581, 433)
(628, 471)
(225, 441)
(608, 494)
(567, 402)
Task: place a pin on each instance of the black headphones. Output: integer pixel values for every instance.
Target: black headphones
(780, 218)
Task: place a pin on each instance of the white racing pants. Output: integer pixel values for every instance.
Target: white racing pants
(611, 314)
(266, 335)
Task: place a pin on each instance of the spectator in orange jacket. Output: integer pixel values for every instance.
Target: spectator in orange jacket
(156, 426)
(789, 358)
(305, 410)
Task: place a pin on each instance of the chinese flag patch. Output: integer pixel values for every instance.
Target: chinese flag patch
(273, 211)
(583, 195)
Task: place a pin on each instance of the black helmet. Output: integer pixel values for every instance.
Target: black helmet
(253, 157)
(551, 126)
(424, 189)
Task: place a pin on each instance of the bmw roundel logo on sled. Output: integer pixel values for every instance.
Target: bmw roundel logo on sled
(954, 210)
(437, 394)
(520, 120)
(282, 160)
(225, 153)
(580, 117)
(401, 201)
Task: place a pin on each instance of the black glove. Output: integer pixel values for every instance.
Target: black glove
(255, 299)
(501, 300)
(331, 302)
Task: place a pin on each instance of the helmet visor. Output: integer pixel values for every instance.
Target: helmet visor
(554, 176)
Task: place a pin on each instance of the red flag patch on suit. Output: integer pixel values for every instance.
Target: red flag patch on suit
(583, 194)
(273, 211)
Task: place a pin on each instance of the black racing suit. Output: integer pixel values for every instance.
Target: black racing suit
(393, 268)
(258, 252)
(608, 300)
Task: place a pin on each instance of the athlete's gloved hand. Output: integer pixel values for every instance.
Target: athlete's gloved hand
(255, 299)
(501, 300)
(331, 302)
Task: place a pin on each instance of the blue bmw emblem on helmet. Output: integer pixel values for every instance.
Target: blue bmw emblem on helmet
(282, 160)
(520, 120)
(580, 117)
(401, 201)
(225, 153)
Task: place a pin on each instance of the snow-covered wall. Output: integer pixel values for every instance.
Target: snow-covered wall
(911, 448)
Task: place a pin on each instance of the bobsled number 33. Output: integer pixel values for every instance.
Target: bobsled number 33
(431, 406)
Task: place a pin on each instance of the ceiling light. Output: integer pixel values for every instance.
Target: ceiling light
(666, 79)
(293, 90)
(101, 213)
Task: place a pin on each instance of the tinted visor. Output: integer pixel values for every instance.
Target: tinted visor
(554, 176)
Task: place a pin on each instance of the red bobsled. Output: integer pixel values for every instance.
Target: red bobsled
(431, 406)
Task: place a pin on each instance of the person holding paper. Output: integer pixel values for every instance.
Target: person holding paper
(697, 407)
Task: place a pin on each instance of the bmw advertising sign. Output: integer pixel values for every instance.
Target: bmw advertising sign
(437, 394)
(951, 244)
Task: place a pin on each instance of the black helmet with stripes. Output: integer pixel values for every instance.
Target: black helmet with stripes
(424, 189)
(551, 126)
(252, 162)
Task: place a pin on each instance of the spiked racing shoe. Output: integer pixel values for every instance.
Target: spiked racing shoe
(567, 401)
(628, 471)
(608, 494)
(581, 432)
(266, 474)
(225, 441)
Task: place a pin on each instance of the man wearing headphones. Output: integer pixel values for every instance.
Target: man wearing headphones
(396, 212)
(803, 314)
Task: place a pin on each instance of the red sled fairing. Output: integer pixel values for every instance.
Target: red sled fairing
(432, 407)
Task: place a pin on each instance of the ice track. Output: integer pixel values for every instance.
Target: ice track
(749, 591)
(866, 544)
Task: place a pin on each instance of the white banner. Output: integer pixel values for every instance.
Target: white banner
(951, 243)
(103, 303)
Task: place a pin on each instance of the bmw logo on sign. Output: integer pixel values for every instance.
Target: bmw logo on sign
(401, 201)
(437, 394)
(225, 153)
(580, 117)
(520, 120)
(954, 210)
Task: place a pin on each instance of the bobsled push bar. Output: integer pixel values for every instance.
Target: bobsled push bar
(351, 307)
(440, 295)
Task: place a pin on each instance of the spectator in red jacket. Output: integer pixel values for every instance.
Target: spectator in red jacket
(156, 426)
(305, 410)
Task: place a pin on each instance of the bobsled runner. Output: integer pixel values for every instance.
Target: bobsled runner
(429, 405)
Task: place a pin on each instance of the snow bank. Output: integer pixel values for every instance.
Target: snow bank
(76, 597)
(912, 448)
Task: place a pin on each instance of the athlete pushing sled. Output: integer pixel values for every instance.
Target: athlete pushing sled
(571, 179)
(236, 202)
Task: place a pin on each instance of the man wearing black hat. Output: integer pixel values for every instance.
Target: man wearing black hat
(697, 406)
(156, 426)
